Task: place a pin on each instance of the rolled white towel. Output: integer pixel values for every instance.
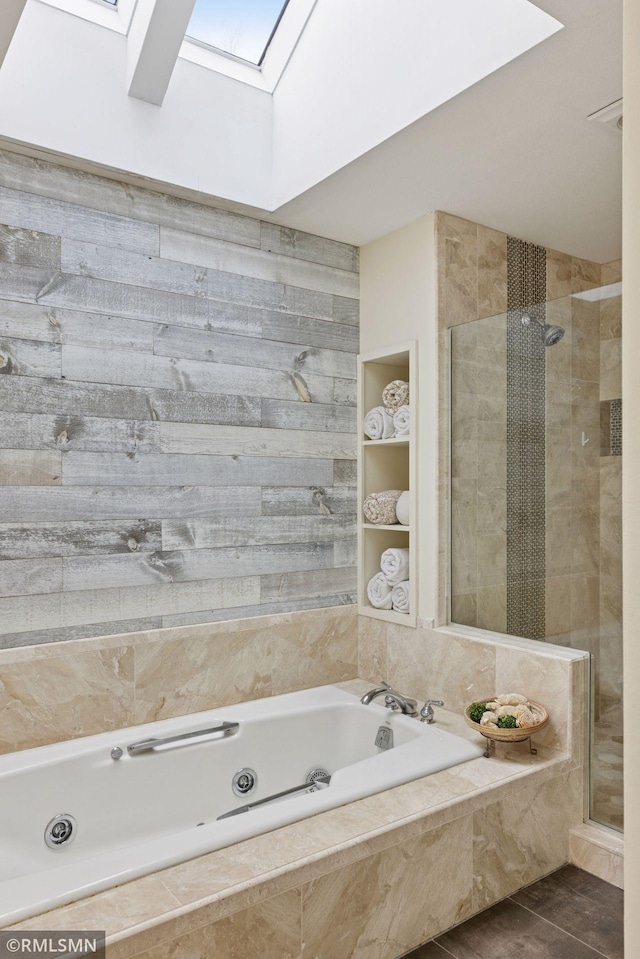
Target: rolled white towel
(400, 597)
(394, 563)
(379, 592)
(378, 423)
(402, 421)
(403, 509)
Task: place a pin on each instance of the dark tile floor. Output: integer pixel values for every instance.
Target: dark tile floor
(568, 915)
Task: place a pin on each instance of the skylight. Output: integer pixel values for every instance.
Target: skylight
(242, 28)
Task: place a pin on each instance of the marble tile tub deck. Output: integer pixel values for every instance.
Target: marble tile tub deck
(467, 812)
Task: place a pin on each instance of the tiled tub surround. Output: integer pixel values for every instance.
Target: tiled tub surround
(53, 692)
(176, 804)
(374, 878)
(178, 405)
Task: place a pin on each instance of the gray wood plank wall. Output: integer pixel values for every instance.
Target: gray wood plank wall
(177, 392)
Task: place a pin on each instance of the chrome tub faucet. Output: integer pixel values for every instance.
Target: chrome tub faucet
(392, 699)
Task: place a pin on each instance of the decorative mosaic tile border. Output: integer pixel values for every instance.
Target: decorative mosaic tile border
(526, 293)
(611, 428)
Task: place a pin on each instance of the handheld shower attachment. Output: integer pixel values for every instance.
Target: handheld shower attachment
(550, 334)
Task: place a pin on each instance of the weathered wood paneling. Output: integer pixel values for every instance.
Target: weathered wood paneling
(305, 246)
(27, 248)
(88, 190)
(345, 310)
(307, 331)
(200, 439)
(65, 633)
(285, 415)
(23, 577)
(30, 468)
(35, 431)
(118, 402)
(283, 587)
(87, 538)
(345, 553)
(78, 222)
(113, 298)
(117, 469)
(106, 263)
(240, 351)
(177, 391)
(30, 358)
(344, 392)
(312, 501)
(19, 282)
(213, 533)
(187, 247)
(31, 321)
(106, 572)
(20, 614)
(264, 609)
(27, 504)
(344, 472)
(27, 321)
(170, 373)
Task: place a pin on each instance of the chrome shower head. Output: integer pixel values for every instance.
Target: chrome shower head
(550, 334)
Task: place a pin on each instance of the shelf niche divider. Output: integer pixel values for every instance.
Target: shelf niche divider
(387, 464)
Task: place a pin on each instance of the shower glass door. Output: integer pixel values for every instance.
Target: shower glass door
(536, 517)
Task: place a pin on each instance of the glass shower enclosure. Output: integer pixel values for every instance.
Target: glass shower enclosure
(536, 518)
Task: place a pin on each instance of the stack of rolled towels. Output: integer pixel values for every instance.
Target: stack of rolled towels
(389, 589)
(393, 417)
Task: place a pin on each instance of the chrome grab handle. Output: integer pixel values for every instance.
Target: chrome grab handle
(145, 745)
(322, 782)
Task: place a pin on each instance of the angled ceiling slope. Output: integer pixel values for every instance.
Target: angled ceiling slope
(364, 116)
(356, 74)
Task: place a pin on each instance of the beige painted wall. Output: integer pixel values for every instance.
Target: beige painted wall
(631, 466)
(398, 299)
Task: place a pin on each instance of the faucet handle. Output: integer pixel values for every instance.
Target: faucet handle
(426, 713)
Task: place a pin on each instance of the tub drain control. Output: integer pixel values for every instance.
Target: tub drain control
(244, 782)
(61, 830)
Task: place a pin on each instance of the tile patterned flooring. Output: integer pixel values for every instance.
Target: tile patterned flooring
(568, 915)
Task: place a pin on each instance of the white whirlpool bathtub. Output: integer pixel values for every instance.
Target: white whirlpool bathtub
(109, 818)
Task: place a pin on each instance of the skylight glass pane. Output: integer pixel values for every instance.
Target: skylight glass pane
(240, 27)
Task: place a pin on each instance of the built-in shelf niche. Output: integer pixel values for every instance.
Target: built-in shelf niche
(386, 464)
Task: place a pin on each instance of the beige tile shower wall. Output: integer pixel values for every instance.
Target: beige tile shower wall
(58, 691)
(610, 665)
(472, 286)
(478, 470)
(573, 457)
(178, 405)
(472, 283)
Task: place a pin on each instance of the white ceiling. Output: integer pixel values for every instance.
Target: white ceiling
(515, 151)
(352, 129)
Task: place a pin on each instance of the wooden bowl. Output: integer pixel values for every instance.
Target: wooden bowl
(509, 735)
